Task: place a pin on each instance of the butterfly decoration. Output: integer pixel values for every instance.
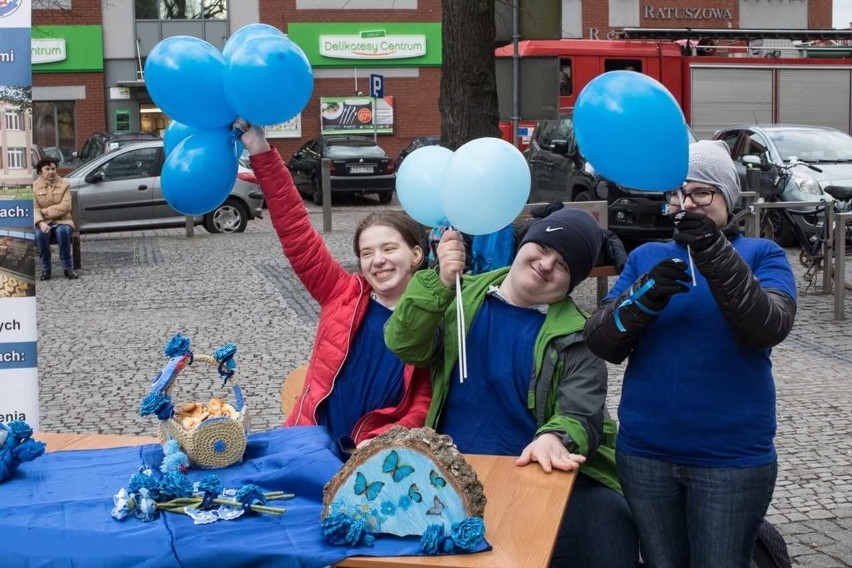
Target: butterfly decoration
(437, 507)
(369, 490)
(392, 466)
(414, 493)
(436, 480)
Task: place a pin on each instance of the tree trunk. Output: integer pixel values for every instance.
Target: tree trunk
(468, 101)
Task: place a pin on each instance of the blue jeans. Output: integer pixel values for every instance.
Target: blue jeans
(63, 239)
(701, 517)
(597, 530)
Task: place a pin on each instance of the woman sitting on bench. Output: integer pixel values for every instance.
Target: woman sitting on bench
(52, 214)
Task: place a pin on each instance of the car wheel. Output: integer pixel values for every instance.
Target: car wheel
(316, 191)
(230, 217)
(582, 195)
(385, 198)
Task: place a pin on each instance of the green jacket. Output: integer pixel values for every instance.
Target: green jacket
(567, 391)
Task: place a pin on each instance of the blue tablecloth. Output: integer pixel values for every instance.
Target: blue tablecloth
(55, 511)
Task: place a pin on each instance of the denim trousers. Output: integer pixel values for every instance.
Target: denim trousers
(63, 239)
(597, 529)
(696, 516)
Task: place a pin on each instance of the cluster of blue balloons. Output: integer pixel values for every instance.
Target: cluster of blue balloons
(260, 75)
(479, 189)
(632, 131)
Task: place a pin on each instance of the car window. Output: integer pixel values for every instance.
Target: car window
(563, 130)
(812, 145)
(133, 164)
(546, 135)
(342, 151)
(730, 138)
(753, 145)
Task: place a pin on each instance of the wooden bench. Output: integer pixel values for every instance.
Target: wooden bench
(598, 209)
(75, 235)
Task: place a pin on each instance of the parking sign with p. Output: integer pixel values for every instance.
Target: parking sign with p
(377, 86)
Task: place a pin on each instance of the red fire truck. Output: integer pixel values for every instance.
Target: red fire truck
(714, 90)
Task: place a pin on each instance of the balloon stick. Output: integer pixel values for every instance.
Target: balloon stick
(460, 331)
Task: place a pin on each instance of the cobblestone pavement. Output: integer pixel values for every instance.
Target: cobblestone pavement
(100, 339)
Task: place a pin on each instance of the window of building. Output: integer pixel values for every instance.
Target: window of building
(54, 126)
(623, 65)
(566, 80)
(15, 157)
(14, 120)
(181, 9)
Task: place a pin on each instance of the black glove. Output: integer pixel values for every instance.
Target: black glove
(695, 230)
(667, 276)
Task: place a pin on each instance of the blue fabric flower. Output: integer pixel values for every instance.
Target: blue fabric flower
(388, 508)
(146, 509)
(6, 467)
(144, 481)
(157, 403)
(432, 539)
(468, 533)
(250, 495)
(174, 459)
(175, 484)
(178, 345)
(341, 530)
(225, 353)
(20, 429)
(28, 450)
(209, 488)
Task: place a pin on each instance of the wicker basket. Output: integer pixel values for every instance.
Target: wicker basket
(216, 442)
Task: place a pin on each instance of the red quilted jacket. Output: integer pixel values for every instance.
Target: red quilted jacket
(343, 300)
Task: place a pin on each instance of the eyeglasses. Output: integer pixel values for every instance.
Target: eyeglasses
(702, 197)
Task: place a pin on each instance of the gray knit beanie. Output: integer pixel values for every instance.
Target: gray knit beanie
(575, 235)
(710, 162)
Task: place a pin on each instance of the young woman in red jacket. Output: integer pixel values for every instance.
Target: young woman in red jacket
(355, 386)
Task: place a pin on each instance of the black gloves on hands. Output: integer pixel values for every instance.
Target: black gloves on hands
(668, 276)
(695, 230)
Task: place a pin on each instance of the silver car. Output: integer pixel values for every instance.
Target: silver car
(121, 191)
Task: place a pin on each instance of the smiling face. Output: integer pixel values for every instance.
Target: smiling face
(539, 275)
(387, 262)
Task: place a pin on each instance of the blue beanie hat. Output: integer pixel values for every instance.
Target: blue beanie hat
(575, 235)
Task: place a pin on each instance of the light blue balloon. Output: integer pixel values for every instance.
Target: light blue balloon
(184, 77)
(631, 129)
(485, 186)
(174, 134)
(268, 80)
(418, 184)
(200, 172)
(241, 35)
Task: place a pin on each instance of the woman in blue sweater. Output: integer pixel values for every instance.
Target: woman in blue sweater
(695, 450)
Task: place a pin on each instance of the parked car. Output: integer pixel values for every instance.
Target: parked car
(824, 148)
(100, 143)
(359, 166)
(560, 173)
(121, 191)
(418, 142)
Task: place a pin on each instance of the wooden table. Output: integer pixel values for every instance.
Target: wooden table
(522, 517)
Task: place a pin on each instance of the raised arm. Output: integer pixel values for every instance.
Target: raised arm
(302, 244)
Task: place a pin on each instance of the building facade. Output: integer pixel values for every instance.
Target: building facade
(88, 76)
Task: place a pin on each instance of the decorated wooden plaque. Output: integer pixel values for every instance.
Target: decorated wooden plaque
(404, 481)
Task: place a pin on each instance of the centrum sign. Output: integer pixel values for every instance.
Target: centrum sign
(369, 44)
(48, 50)
(372, 44)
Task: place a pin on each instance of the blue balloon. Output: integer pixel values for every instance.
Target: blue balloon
(184, 77)
(485, 186)
(246, 32)
(268, 80)
(418, 184)
(175, 133)
(200, 173)
(631, 129)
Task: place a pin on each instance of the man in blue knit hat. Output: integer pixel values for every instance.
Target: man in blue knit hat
(533, 389)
